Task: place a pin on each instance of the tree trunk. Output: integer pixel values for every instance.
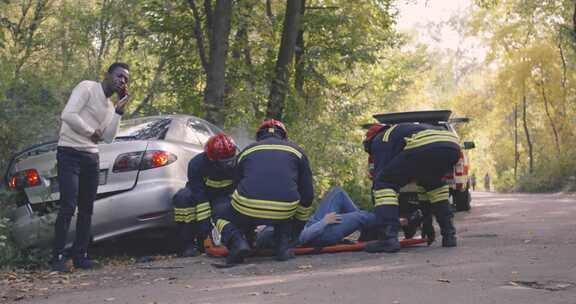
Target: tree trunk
(215, 78)
(527, 132)
(285, 54)
(515, 142)
(103, 26)
(550, 118)
(199, 35)
(574, 21)
(299, 55)
(563, 80)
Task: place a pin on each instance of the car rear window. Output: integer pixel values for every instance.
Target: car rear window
(143, 129)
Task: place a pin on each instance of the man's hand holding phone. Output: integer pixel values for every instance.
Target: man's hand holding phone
(123, 99)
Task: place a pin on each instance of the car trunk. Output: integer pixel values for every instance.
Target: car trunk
(110, 182)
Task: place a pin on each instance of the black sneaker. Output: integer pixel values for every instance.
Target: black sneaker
(449, 241)
(58, 264)
(191, 251)
(389, 246)
(85, 263)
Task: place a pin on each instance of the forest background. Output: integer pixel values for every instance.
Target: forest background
(324, 67)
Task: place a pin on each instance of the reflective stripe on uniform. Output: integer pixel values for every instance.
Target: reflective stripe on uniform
(439, 194)
(271, 147)
(203, 211)
(386, 135)
(218, 183)
(422, 195)
(303, 213)
(185, 215)
(426, 137)
(264, 209)
(220, 224)
(386, 196)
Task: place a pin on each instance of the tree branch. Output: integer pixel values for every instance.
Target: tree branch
(152, 87)
(28, 43)
(209, 13)
(199, 35)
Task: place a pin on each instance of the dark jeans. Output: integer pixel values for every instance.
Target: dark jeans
(78, 181)
(317, 235)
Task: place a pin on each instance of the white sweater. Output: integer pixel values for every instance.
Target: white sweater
(88, 109)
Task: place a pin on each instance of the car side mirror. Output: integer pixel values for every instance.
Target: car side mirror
(469, 145)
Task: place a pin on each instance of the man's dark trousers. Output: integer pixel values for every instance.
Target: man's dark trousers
(78, 182)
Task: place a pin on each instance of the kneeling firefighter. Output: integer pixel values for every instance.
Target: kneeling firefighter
(406, 152)
(210, 184)
(274, 188)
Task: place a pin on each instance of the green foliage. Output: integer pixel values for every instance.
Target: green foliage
(529, 53)
(10, 254)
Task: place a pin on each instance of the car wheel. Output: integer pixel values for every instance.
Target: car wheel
(462, 200)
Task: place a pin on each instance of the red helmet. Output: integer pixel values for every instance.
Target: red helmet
(220, 146)
(370, 134)
(272, 126)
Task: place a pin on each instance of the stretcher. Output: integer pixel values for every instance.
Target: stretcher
(221, 251)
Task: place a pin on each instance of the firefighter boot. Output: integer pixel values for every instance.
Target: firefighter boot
(282, 249)
(200, 243)
(187, 236)
(238, 248)
(414, 221)
(387, 240)
(444, 217)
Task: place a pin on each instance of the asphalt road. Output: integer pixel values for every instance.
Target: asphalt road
(513, 248)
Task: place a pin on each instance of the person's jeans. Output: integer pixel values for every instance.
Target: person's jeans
(78, 182)
(337, 200)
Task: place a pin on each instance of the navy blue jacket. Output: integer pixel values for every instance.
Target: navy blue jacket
(206, 182)
(408, 136)
(274, 181)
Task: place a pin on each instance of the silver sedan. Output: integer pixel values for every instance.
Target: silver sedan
(139, 173)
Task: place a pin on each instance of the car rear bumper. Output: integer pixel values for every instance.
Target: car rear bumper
(146, 206)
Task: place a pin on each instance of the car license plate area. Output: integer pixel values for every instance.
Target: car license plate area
(102, 179)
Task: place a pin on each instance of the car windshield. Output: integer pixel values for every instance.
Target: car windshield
(143, 129)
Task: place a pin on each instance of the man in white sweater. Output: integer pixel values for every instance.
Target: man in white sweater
(89, 118)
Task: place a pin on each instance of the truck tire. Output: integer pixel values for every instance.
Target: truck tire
(461, 200)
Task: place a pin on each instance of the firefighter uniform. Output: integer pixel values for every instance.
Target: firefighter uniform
(404, 152)
(274, 187)
(208, 186)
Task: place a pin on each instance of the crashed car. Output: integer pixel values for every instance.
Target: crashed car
(139, 174)
(458, 179)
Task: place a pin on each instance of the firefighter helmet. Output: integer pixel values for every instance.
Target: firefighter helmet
(370, 134)
(220, 147)
(272, 126)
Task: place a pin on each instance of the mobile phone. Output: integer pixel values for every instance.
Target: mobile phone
(123, 93)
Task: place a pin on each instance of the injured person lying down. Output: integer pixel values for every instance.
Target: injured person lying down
(336, 218)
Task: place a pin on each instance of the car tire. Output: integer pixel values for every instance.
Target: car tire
(461, 200)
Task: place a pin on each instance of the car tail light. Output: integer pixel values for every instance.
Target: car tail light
(24, 179)
(142, 160)
(155, 159)
(32, 178)
(12, 182)
(128, 162)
